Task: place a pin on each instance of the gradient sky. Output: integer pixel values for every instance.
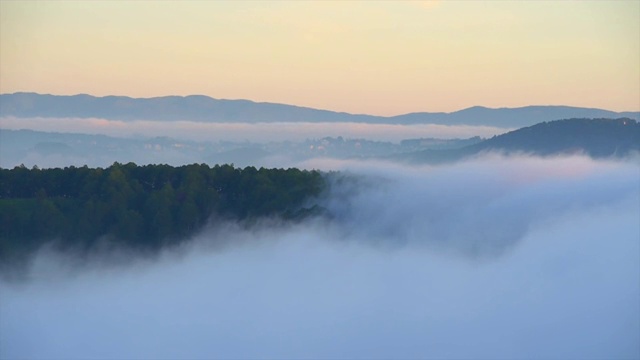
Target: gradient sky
(382, 58)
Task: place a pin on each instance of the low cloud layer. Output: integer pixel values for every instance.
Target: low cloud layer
(261, 132)
(490, 258)
(480, 206)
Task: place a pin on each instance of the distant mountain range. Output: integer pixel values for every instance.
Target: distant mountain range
(598, 138)
(205, 109)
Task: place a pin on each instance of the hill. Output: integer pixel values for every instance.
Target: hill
(205, 109)
(597, 138)
(512, 117)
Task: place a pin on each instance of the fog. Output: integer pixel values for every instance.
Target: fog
(254, 132)
(493, 257)
(47, 143)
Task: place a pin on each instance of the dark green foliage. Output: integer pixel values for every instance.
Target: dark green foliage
(140, 206)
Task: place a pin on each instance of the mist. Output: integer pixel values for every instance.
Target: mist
(62, 142)
(254, 132)
(494, 257)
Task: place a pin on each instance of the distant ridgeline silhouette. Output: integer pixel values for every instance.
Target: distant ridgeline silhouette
(205, 109)
(598, 138)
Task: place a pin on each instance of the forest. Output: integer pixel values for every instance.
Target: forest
(141, 207)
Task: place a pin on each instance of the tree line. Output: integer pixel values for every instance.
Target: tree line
(141, 206)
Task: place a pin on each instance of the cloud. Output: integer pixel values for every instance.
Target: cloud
(481, 206)
(261, 132)
(494, 257)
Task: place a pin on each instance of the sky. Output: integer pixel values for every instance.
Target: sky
(382, 58)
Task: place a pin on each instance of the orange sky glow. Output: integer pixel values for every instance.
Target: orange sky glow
(383, 58)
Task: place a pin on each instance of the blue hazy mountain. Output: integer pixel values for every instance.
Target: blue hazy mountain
(511, 117)
(205, 109)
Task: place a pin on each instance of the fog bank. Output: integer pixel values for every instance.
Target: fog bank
(493, 257)
(254, 132)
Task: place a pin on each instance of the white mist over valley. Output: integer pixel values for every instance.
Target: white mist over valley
(492, 257)
(445, 180)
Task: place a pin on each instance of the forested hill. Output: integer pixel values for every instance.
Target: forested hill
(594, 137)
(142, 207)
(597, 138)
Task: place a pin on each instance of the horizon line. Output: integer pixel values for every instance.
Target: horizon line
(318, 109)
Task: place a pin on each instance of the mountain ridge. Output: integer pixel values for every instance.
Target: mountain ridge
(202, 108)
